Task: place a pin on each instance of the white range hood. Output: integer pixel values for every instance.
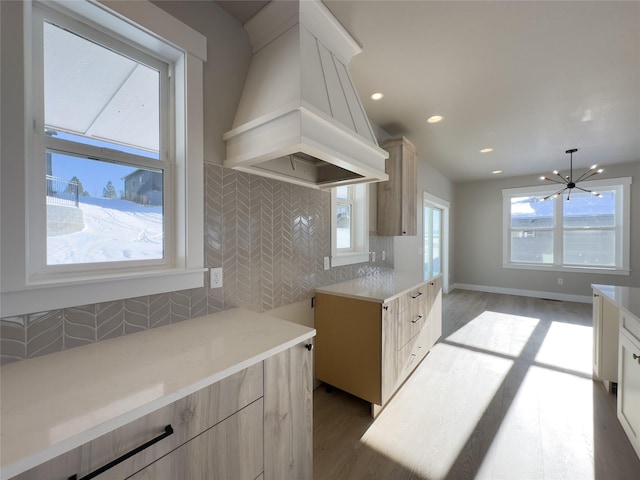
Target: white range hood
(299, 118)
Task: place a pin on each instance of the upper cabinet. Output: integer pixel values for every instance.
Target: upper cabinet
(397, 197)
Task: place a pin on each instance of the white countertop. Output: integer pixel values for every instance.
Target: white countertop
(54, 403)
(376, 288)
(626, 298)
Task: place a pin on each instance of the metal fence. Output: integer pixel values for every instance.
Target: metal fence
(62, 192)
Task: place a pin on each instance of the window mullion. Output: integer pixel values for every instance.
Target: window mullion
(101, 153)
(558, 231)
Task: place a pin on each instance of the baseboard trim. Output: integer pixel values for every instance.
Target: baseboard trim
(523, 293)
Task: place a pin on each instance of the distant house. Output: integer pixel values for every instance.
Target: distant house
(143, 186)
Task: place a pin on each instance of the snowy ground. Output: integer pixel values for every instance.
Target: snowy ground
(115, 230)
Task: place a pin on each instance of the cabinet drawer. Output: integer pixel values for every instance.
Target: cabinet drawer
(411, 298)
(631, 325)
(411, 321)
(233, 449)
(410, 354)
(188, 416)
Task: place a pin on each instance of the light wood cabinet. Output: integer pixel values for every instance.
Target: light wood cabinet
(256, 423)
(189, 417)
(628, 401)
(231, 449)
(397, 197)
(605, 339)
(288, 414)
(369, 348)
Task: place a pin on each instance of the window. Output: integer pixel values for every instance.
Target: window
(105, 106)
(432, 241)
(111, 166)
(435, 221)
(350, 239)
(585, 233)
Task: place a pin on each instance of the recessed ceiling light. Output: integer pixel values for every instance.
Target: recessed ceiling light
(434, 119)
(495, 172)
(376, 96)
(486, 150)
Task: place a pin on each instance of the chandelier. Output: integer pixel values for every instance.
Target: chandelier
(568, 183)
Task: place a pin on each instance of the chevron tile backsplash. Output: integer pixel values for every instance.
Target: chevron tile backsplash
(270, 237)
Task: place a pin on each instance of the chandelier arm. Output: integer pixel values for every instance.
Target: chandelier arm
(554, 194)
(592, 175)
(583, 176)
(555, 181)
(588, 174)
(587, 191)
(564, 180)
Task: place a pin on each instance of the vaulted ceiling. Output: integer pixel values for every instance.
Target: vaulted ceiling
(529, 79)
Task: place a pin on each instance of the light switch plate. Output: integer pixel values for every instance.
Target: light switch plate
(326, 263)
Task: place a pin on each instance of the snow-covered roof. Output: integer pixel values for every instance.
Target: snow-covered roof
(95, 92)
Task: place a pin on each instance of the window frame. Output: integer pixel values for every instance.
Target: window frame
(359, 251)
(431, 201)
(42, 143)
(26, 288)
(622, 186)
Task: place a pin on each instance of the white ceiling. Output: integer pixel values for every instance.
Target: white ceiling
(529, 79)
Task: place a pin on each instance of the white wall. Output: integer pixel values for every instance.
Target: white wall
(228, 58)
(478, 240)
(408, 250)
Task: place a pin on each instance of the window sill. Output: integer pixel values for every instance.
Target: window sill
(555, 268)
(40, 298)
(349, 259)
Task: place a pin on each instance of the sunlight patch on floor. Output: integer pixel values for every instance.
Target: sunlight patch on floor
(547, 431)
(568, 347)
(429, 440)
(496, 332)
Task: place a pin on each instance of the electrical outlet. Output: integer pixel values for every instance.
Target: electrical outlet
(560, 281)
(383, 255)
(215, 277)
(326, 263)
(373, 257)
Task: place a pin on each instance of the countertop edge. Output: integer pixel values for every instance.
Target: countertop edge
(328, 289)
(609, 291)
(22, 465)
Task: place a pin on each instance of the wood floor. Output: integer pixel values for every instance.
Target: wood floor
(506, 394)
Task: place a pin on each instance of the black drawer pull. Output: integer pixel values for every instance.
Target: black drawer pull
(419, 318)
(416, 295)
(168, 430)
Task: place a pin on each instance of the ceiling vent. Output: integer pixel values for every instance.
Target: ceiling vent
(299, 118)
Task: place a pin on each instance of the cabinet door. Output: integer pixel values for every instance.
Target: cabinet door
(233, 449)
(397, 197)
(605, 338)
(288, 415)
(435, 310)
(390, 322)
(597, 332)
(629, 389)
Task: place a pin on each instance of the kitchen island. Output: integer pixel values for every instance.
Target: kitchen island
(373, 332)
(617, 338)
(59, 408)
